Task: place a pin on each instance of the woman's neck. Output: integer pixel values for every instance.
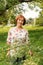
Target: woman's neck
(19, 27)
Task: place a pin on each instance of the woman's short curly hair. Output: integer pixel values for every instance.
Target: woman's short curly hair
(20, 16)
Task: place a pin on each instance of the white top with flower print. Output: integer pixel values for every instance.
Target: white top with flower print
(16, 36)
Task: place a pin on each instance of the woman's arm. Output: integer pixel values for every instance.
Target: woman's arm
(9, 39)
(28, 42)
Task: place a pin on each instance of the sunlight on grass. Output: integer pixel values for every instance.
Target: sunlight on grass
(29, 62)
(33, 27)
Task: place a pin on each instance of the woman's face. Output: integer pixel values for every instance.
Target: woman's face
(20, 22)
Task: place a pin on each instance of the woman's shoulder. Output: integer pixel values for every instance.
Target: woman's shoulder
(26, 31)
(12, 29)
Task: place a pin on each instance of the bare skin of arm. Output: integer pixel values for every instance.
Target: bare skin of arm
(8, 50)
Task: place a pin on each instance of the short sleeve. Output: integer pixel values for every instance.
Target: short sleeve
(10, 37)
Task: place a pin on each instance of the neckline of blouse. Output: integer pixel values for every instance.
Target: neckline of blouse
(18, 29)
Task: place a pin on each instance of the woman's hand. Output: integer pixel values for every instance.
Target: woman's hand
(8, 43)
(30, 52)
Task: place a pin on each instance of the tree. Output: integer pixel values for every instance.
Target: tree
(39, 21)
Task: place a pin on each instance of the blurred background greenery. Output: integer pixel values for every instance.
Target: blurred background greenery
(36, 39)
(8, 10)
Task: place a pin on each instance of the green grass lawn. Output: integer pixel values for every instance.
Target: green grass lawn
(36, 39)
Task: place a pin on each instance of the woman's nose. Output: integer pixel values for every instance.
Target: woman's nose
(20, 21)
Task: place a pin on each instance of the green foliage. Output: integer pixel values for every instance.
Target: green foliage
(39, 21)
(36, 39)
(2, 6)
(6, 4)
(38, 0)
(10, 3)
(3, 20)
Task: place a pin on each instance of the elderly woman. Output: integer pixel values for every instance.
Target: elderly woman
(18, 40)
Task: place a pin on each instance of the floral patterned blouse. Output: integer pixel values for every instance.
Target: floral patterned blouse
(17, 39)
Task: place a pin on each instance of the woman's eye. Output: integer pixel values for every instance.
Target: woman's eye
(20, 20)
